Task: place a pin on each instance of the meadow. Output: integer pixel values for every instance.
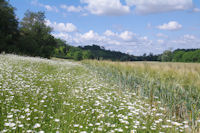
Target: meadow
(41, 95)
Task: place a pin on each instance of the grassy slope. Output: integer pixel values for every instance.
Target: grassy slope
(48, 95)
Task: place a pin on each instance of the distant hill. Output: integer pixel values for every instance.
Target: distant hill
(100, 53)
(64, 50)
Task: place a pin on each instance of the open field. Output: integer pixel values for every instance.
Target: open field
(40, 95)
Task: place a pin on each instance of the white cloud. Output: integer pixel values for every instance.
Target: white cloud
(158, 6)
(109, 33)
(47, 7)
(72, 8)
(50, 8)
(48, 22)
(185, 41)
(172, 25)
(125, 41)
(61, 27)
(160, 41)
(106, 7)
(189, 37)
(127, 35)
(161, 35)
(90, 35)
(89, 38)
(196, 10)
(136, 45)
(64, 36)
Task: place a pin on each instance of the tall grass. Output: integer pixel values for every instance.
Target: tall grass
(39, 95)
(176, 85)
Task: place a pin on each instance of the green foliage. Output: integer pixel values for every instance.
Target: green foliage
(78, 55)
(189, 55)
(34, 21)
(101, 53)
(166, 56)
(87, 54)
(71, 52)
(8, 27)
(61, 49)
(177, 56)
(36, 39)
(32, 38)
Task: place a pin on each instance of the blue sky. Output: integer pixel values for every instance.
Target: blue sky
(131, 26)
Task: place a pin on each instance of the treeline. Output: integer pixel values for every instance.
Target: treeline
(100, 53)
(181, 55)
(97, 52)
(65, 51)
(32, 37)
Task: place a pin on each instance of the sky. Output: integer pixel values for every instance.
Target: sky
(130, 26)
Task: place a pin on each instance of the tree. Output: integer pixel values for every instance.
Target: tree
(36, 39)
(87, 54)
(8, 27)
(177, 56)
(196, 56)
(62, 48)
(186, 55)
(78, 55)
(166, 56)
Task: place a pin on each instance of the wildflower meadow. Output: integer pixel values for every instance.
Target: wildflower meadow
(42, 95)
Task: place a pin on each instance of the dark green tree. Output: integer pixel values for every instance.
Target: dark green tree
(177, 56)
(186, 55)
(36, 39)
(196, 56)
(78, 55)
(62, 49)
(87, 54)
(166, 56)
(8, 27)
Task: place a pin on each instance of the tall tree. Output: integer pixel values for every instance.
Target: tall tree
(166, 56)
(36, 39)
(8, 27)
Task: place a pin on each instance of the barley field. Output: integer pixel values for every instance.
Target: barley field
(175, 85)
(61, 96)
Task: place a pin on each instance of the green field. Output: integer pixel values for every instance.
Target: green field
(40, 95)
